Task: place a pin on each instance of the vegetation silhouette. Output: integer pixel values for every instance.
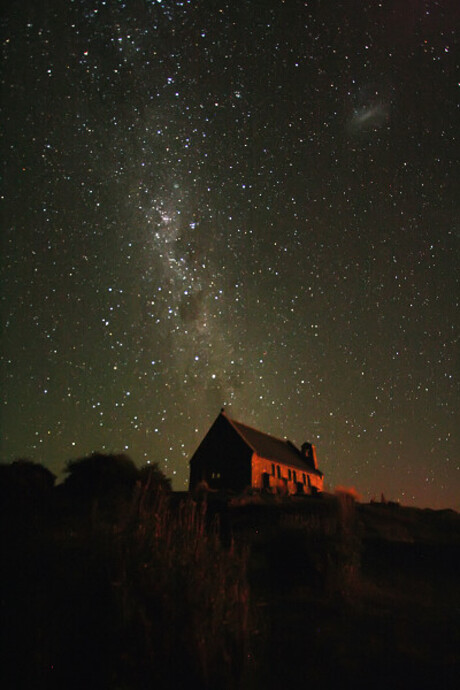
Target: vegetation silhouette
(110, 580)
(120, 586)
(25, 481)
(105, 482)
(152, 477)
(100, 474)
(26, 497)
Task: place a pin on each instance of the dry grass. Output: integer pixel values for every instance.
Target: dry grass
(183, 595)
(149, 600)
(159, 594)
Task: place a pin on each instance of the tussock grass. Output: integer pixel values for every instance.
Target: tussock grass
(146, 596)
(163, 591)
(183, 597)
(320, 551)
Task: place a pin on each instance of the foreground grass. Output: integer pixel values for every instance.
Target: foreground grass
(164, 592)
(150, 599)
(364, 595)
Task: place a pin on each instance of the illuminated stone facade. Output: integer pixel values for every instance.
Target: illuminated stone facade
(234, 456)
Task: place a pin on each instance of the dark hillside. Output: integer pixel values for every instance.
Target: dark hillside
(365, 593)
(146, 589)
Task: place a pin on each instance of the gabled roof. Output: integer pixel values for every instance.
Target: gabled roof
(272, 448)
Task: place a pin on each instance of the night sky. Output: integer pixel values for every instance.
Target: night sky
(249, 204)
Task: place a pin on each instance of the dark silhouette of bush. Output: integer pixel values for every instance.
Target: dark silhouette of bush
(26, 500)
(25, 488)
(28, 476)
(99, 481)
(98, 471)
(153, 478)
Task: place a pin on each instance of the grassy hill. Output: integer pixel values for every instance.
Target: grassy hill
(367, 594)
(160, 591)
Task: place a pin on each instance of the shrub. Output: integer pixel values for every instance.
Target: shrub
(347, 491)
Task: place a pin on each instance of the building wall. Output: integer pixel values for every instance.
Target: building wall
(280, 478)
(222, 459)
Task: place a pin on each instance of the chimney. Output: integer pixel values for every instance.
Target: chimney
(308, 450)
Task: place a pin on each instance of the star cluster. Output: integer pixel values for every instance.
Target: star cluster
(249, 204)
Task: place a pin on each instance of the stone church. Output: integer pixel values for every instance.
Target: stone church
(234, 456)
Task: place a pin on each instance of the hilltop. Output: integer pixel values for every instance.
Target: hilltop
(364, 592)
(145, 588)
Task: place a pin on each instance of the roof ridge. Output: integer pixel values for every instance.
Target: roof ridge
(253, 428)
(233, 423)
(270, 447)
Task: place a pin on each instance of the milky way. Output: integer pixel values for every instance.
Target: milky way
(250, 205)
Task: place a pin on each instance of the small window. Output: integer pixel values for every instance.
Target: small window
(295, 476)
(278, 471)
(304, 478)
(289, 475)
(273, 470)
